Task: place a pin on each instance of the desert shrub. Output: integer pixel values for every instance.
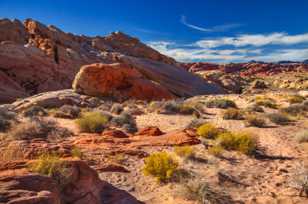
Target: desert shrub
(279, 118)
(155, 105)
(122, 119)
(186, 152)
(296, 99)
(221, 103)
(51, 165)
(267, 102)
(92, 122)
(302, 136)
(300, 180)
(233, 114)
(117, 108)
(198, 190)
(254, 121)
(161, 165)
(255, 108)
(295, 109)
(242, 142)
(130, 128)
(76, 152)
(38, 128)
(216, 150)
(4, 124)
(67, 111)
(208, 131)
(195, 123)
(35, 111)
(6, 118)
(177, 107)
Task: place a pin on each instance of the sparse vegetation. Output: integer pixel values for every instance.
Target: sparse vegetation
(240, 141)
(92, 122)
(117, 108)
(161, 165)
(76, 152)
(300, 180)
(292, 99)
(67, 111)
(208, 131)
(6, 118)
(126, 121)
(255, 108)
(295, 109)
(186, 152)
(279, 118)
(38, 128)
(233, 114)
(266, 102)
(216, 150)
(34, 111)
(177, 107)
(221, 103)
(254, 121)
(302, 136)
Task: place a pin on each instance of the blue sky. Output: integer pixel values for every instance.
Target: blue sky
(194, 30)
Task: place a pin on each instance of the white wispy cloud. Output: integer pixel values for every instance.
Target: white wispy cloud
(218, 28)
(254, 40)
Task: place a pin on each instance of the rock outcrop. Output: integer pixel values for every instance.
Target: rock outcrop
(119, 81)
(35, 58)
(82, 185)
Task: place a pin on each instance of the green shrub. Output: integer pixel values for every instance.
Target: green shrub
(302, 136)
(255, 121)
(296, 99)
(208, 131)
(279, 118)
(161, 165)
(220, 103)
(187, 152)
(92, 122)
(242, 142)
(233, 114)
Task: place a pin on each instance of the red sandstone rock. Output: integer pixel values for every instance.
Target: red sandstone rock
(115, 134)
(150, 131)
(119, 81)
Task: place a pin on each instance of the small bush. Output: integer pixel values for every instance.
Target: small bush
(254, 121)
(195, 123)
(92, 122)
(233, 114)
(124, 118)
(216, 150)
(177, 107)
(35, 111)
(295, 109)
(296, 99)
(208, 131)
(6, 118)
(302, 136)
(38, 128)
(76, 152)
(221, 103)
(161, 165)
(300, 180)
(187, 152)
(242, 142)
(269, 103)
(68, 111)
(255, 108)
(117, 108)
(279, 118)
(51, 165)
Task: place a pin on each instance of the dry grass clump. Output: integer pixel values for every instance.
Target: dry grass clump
(34, 111)
(38, 128)
(266, 102)
(300, 180)
(125, 121)
(255, 108)
(208, 131)
(177, 107)
(295, 109)
(92, 122)
(292, 99)
(161, 165)
(221, 103)
(240, 141)
(67, 111)
(186, 152)
(233, 114)
(254, 121)
(216, 150)
(302, 136)
(279, 118)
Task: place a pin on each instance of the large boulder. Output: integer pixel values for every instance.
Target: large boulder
(117, 80)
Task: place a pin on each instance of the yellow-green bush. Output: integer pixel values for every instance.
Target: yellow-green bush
(76, 152)
(221, 103)
(216, 150)
(266, 102)
(184, 151)
(92, 122)
(47, 164)
(279, 118)
(242, 142)
(161, 165)
(233, 114)
(208, 131)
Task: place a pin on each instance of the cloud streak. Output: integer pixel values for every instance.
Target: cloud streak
(218, 28)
